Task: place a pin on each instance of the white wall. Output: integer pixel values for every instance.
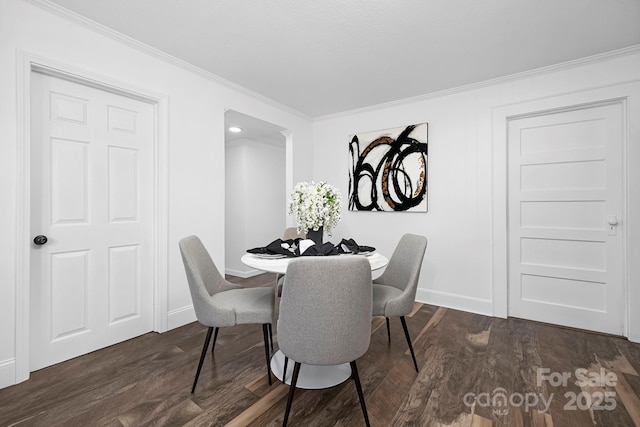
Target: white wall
(255, 199)
(457, 271)
(195, 137)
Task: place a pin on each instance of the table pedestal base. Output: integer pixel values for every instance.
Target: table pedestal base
(311, 376)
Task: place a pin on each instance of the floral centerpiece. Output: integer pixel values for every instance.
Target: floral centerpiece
(316, 207)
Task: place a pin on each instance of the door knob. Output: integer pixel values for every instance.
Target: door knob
(40, 240)
(613, 225)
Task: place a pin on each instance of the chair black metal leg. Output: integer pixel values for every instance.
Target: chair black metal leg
(356, 378)
(215, 337)
(406, 334)
(388, 329)
(265, 335)
(271, 336)
(284, 373)
(292, 389)
(204, 353)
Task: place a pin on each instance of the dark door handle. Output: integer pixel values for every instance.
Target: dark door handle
(40, 240)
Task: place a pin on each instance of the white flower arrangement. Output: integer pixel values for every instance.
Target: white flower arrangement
(315, 205)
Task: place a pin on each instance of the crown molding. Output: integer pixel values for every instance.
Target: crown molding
(485, 83)
(157, 53)
(131, 42)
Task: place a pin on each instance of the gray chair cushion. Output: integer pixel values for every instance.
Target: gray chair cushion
(216, 301)
(325, 310)
(403, 274)
(382, 294)
(200, 267)
(252, 305)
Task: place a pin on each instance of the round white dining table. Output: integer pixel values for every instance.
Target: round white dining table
(279, 265)
(310, 376)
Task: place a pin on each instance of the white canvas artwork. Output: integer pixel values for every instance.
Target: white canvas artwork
(388, 169)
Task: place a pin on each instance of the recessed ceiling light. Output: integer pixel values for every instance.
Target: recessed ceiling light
(235, 129)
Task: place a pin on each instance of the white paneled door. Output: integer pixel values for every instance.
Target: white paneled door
(566, 218)
(91, 186)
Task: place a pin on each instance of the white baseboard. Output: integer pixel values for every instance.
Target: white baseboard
(457, 302)
(7, 373)
(181, 317)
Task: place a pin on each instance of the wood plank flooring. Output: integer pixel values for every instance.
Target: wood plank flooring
(474, 371)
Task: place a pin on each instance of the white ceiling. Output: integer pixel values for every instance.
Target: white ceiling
(322, 57)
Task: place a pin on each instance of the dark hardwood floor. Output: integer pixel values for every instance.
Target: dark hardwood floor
(474, 371)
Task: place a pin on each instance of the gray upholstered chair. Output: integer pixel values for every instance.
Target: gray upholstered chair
(219, 303)
(325, 315)
(394, 292)
(290, 233)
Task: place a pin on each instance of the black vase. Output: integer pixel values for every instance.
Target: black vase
(316, 236)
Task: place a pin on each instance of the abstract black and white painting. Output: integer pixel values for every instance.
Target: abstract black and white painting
(388, 169)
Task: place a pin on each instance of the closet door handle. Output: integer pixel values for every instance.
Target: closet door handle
(40, 240)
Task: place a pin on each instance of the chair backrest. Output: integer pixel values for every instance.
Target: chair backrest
(325, 310)
(203, 277)
(403, 270)
(291, 233)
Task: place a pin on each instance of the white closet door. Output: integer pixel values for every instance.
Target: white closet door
(91, 178)
(566, 218)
